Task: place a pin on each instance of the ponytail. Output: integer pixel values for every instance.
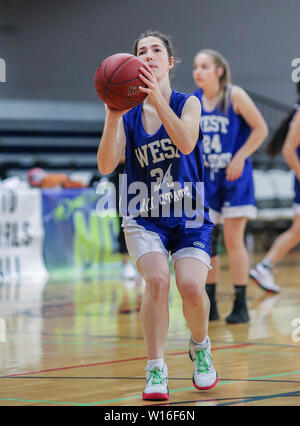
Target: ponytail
(275, 144)
(224, 80)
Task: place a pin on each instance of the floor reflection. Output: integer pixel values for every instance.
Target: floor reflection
(89, 318)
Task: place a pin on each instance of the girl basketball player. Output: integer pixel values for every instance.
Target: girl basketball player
(163, 150)
(288, 135)
(233, 129)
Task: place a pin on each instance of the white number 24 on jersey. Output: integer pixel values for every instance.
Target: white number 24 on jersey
(162, 178)
(210, 144)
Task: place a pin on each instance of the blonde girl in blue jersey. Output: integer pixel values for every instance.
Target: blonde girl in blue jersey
(161, 138)
(233, 129)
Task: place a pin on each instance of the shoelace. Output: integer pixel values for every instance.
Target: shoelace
(203, 361)
(155, 376)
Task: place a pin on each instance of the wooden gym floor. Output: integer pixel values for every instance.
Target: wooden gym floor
(75, 343)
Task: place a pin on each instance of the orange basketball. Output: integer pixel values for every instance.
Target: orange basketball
(117, 81)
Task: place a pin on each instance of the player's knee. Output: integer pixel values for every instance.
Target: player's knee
(192, 292)
(295, 231)
(158, 283)
(232, 242)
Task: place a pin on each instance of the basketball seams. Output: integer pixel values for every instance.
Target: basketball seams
(104, 74)
(99, 81)
(119, 67)
(124, 82)
(107, 88)
(118, 106)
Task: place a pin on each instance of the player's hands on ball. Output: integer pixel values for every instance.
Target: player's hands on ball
(235, 168)
(114, 113)
(148, 77)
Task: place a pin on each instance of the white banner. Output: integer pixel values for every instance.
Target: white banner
(21, 236)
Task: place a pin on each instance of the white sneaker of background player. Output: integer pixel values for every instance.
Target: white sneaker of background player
(156, 381)
(264, 278)
(129, 271)
(205, 376)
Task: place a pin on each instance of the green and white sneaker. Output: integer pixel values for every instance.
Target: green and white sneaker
(205, 376)
(156, 382)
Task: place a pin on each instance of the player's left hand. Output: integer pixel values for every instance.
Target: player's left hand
(148, 77)
(235, 168)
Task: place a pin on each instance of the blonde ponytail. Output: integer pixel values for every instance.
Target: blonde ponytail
(224, 80)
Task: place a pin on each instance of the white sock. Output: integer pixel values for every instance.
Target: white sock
(267, 263)
(201, 344)
(158, 361)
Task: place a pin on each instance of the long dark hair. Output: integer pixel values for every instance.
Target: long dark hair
(166, 41)
(164, 38)
(276, 142)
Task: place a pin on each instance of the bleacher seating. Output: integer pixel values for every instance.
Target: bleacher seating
(57, 136)
(274, 194)
(61, 136)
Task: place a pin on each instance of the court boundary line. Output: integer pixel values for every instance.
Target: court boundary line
(168, 340)
(171, 392)
(111, 362)
(235, 400)
(261, 398)
(142, 378)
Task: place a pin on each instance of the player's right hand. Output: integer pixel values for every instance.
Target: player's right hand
(115, 113)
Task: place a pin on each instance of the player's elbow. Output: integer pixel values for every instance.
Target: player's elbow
(105, 168)
(264, 131)
(188, 146)
(286, 152)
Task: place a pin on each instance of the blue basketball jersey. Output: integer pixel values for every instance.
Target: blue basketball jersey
(156, 172)
(224, 133)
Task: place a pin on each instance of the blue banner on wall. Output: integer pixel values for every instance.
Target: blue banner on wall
(75, 235)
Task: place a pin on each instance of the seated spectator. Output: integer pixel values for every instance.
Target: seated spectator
(39, 178)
